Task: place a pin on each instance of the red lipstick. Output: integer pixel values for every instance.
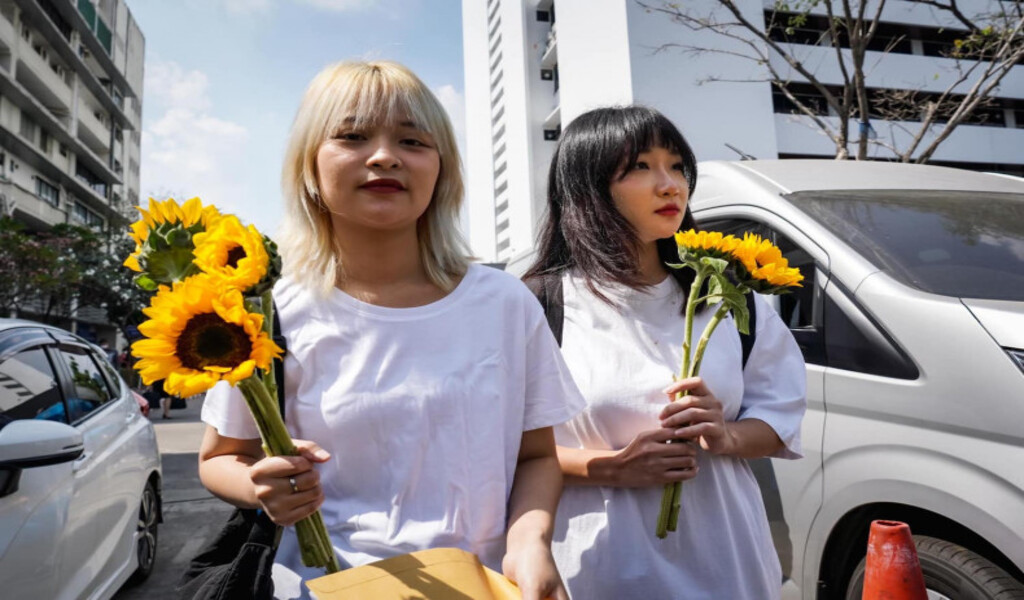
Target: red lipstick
(669, 210)
(383, 185)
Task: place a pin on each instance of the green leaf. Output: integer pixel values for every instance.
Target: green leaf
(742, 318)
(146, 282)
(718, 264)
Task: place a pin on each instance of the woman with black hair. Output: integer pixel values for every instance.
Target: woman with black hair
(617, 192)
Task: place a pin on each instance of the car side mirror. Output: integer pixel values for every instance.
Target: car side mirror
(27, 443)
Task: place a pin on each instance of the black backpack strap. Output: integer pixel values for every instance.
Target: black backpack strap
(279, 362)
(747, 340)
(548, 290)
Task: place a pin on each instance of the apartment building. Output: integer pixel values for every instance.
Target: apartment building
(70, 113)
(531, 66)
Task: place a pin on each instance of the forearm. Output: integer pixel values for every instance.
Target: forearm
(227, 477)
(533, 502)
(753, 438)
(581, 466)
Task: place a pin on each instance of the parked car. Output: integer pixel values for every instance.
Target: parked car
(79, 469)
(911, 322)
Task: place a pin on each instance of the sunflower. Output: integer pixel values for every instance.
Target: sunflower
(198, 333)
(764, 263)
(233, 253)
(164, 216)
(708, 243)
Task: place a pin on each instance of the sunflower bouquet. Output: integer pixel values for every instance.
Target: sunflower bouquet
(210, 319)
(727, 268)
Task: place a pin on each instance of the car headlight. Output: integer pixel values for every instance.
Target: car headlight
(1017, 356)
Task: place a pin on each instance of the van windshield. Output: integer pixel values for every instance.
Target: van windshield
(953, 243)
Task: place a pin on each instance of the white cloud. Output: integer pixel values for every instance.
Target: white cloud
(188, 150)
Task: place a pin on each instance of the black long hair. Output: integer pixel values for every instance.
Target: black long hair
(583, 229)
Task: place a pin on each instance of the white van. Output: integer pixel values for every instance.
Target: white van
(911, 321)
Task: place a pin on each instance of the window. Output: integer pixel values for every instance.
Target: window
(854, 342)
(829, 326)
(47, 191)
(89, 388)
(797, 308)
(28, 127)
(28, 388)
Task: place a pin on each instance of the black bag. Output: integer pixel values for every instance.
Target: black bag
(237, 563)
(178, 403)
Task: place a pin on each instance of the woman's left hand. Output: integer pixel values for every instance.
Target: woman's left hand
(533, 569)
(697, 416)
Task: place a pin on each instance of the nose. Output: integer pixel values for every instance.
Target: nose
(668, 186)
(383, 156)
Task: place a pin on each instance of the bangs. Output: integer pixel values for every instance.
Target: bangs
(642, 129)
(376, 97)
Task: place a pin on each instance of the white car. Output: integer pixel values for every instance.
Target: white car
(911, 321)
(79, 470)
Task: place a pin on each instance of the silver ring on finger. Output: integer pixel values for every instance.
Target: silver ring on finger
(295, 486)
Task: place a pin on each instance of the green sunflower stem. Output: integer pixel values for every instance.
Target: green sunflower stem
(669, 513)
(267, 308)
(314, 542)
(702, 343)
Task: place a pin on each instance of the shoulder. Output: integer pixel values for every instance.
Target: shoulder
(497, 281)
(502, 290)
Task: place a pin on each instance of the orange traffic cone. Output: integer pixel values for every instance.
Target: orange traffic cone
(893, 571)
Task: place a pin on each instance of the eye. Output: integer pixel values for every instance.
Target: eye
(415, 142)
(679, 167)
(350, 136)
(641, 166)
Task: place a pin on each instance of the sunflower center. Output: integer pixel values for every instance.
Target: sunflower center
(209, 341)
(234, 255)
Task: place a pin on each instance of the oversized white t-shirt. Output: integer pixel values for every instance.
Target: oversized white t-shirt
(621, 358)
(422, 409)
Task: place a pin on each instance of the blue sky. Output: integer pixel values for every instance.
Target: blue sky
(224, 78)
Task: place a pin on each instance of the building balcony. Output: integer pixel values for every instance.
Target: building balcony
(39, 78)
(29, 207)
(8, 37)
(92, 131)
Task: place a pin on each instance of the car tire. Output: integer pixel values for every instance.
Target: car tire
(954, 572)
(145, 547)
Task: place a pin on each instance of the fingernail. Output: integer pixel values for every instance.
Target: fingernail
(322, 454)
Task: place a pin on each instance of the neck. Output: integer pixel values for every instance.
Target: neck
(652, 270)
(374, 258)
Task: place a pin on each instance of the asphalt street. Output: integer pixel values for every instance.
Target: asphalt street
(191, 514)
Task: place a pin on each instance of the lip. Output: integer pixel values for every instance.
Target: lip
(383, 185)
(669, 210)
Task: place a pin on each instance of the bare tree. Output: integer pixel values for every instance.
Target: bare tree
(986, 47)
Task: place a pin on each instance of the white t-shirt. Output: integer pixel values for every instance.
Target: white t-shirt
(621, 358)
(422, 409)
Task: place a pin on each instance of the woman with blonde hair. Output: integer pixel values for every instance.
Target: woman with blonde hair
(422, 388)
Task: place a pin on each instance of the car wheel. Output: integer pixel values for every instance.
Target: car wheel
(145, 547)
(952, 572)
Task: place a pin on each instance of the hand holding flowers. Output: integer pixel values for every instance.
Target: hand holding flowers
(211, 318)
(726, 269)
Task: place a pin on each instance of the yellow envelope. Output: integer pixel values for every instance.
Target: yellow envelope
(436, 574)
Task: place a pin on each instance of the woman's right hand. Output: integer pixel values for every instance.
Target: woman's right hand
(649, 460)
(272, 479)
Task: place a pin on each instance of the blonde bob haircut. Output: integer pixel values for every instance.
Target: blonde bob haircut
(370, 93)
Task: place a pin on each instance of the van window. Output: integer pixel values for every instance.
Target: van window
(797, 308)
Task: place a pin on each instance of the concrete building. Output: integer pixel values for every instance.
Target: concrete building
(531, 66)
(70, 113)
